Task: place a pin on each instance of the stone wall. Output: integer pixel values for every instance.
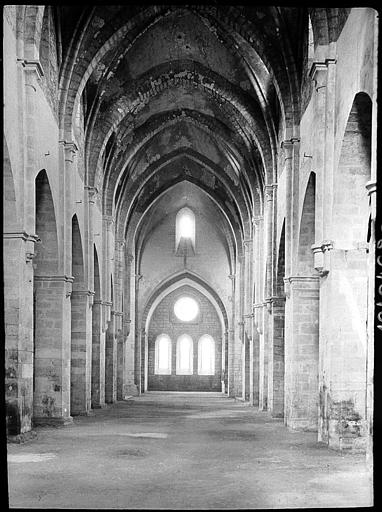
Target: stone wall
(163, 321)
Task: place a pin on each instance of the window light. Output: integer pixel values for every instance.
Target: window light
(184, 355)
(186, 309)
(206, 355)
(185, 228)
(163, 355)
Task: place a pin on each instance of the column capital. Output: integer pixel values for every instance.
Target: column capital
(232, 276)
(268, 190)
(288, 143)
(33, 66)
(321, 256)
(63, 278)
(318, 66)
(26, 237)
(268, 303)
(247, 242)
(371, 187)
(121, 242)
(69, 145)
(87, 293)
(307, 283)
(92, 191)
(109, 219)
(257, 219)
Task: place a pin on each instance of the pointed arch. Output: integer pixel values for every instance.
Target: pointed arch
(307, 229)
(46, 252)
(350, 222)
(10, 215)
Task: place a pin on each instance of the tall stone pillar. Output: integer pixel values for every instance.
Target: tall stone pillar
(52, 350)
(263, 355)
(81, 351)
(247, 382)
(111, 362)
(138, 336)
(276, 376)
(130, 387)
(257, 331)
(120, 368)
(98, 358)
(18, 252)
(231, 339)
(267, 352)
(301, 353)
(291, 149)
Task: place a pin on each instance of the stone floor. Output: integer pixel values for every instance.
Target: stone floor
(182, 451)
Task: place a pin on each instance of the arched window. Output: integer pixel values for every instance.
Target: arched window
(185, 229)
(206, 355)
(184, 355)
(163, 355)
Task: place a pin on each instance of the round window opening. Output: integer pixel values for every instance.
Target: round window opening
(186, 309)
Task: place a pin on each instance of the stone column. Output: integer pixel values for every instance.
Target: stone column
(98, 358)
(263, 355)
(257, 305)
(231, 341)
(120, 366)
(247, 317)
(276, 376)
(52, 350)
(225, 340)
(111, 362)
(266, 350)
(81, 352)
(18, 252)
(130, 387)
(301, 353)
(138, 337)
(121, 340)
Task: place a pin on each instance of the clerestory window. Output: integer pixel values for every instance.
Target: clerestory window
(185, 231)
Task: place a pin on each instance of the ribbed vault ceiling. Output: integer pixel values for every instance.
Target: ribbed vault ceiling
(175, 94)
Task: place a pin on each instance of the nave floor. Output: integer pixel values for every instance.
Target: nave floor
(182, 451)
